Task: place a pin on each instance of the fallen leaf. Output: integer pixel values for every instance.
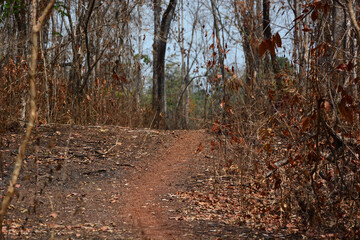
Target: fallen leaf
(199, 149)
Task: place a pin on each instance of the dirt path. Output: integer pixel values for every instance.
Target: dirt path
(166, 171)
(102, 182)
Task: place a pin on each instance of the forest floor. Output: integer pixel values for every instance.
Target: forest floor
(110, 182)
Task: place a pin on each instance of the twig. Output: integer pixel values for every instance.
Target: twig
(353, 18)
(277, 165)
(37, 24)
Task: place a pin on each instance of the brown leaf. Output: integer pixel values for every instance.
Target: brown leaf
(271, 95)
(262, 48)
(306, 29)
(200, 148)
(115, 76)
(123, 79)
(267, 147)
(346, 112)
(314, 15)
(271, 47)
(350, 66)
(277, 40)
(342, 67)
(222, 104)
(327, 106)
(305, 122)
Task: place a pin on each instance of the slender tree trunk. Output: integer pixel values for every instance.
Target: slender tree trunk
(138, 87)
(245, 20)
(220, 51)
(267, 36)
(155, 97)
(37, 23)
(159, 103)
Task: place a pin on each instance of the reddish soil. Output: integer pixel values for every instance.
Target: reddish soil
(109, 182)
(99, 182)
(164, 174)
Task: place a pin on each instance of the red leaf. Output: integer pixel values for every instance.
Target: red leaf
(342, 67)
(123, 79)
(317, 4)
(199, 149)
(314, 15)
(305, 122)
(277, 39)
(271, 47)
(115, 76)
(271, 95)
(325, 8)
(350, 66)
(262, 48)
(346, 113)
(348, 99)
(306, 29)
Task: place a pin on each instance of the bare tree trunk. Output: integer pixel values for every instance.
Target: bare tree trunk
(138, 80)
(159, 103)
(155, 97)
(267, 36)
(246, 21)
(184, 75)
(220, 51)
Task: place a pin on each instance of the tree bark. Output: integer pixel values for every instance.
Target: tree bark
(160, 41)
(268, 35)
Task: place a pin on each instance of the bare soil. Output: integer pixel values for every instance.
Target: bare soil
(109, 182)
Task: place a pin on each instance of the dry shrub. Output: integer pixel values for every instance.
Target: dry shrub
(299, 148)
(105, 102)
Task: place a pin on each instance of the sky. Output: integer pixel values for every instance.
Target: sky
(281, 17)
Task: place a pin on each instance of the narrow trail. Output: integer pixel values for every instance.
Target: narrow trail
(165, 172)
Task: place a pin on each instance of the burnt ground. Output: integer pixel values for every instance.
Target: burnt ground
(110, 182)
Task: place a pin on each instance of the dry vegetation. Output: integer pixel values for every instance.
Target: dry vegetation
(286, 139)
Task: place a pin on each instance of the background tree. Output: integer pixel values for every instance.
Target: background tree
(161, 33)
